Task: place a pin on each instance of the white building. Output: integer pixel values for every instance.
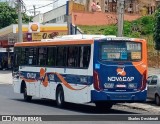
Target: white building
(56, 15)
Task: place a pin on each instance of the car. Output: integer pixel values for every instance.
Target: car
(153, 88)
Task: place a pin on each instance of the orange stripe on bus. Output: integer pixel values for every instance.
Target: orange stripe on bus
(29, 80)
(139, 40)
(66, 83)
(51, 43)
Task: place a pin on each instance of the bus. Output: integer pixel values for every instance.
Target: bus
(104, 70)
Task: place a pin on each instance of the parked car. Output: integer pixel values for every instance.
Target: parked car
(153, 85)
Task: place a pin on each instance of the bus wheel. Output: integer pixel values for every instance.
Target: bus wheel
(26, 97)
(103, 106)
(60, 97)
(157, 100)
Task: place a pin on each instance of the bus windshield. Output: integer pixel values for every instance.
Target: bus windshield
(120, 51)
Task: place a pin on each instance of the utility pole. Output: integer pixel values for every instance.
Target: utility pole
(34, 7)
(20, 34)
(120, 5)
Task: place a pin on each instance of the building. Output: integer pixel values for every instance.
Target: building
(57, 15)
(131, 6)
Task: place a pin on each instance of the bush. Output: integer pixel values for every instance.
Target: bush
(110, 30)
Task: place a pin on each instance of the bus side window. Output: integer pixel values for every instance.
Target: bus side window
(61, 56)
(81, 56)
(32, 57)
(42, 56)
(51, 56)
(85, 52)
(86, 56)
(72, 56)
(23, 57)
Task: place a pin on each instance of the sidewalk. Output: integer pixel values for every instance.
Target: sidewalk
(151, 108)
(5, 77)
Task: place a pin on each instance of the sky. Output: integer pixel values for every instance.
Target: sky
(39, 3)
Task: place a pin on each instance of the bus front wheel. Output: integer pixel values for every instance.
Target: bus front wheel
(26, 97)
(60, 97)
(103, 105)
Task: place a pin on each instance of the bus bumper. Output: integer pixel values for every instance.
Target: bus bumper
(139, 96)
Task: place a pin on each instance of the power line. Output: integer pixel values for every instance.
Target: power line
(44, 5)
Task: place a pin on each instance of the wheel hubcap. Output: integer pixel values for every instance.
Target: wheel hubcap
(59, 98)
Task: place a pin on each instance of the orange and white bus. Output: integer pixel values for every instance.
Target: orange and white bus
(82, 69)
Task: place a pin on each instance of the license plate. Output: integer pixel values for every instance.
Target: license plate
(121, 86)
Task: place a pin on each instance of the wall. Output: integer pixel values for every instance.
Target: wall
(99, 18)
(53, 16)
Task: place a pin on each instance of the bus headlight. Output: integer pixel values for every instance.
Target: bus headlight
(109, 85)
(132, 85)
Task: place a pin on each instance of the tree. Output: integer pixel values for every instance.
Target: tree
(156, 32)
(9, 15)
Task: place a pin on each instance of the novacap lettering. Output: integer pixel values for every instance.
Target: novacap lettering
(120, 79)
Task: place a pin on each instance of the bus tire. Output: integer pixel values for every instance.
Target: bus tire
(25, 96)
(103, 106)
(60, 97)
(157, 100)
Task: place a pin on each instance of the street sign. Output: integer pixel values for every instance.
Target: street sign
(46, 35)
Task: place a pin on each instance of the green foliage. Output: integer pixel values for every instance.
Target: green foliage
(134, 34)
(147, 23)
(127, 28)
(156, 32)
(138, 28)
(9, 15)
(110, 30)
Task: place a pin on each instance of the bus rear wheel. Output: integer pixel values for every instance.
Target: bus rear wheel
(26, 97)
(60, 97)
(103, 106)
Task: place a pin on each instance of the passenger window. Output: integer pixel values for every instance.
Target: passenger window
(86, 56)
(32, 56)
(72, 57)
(51, 56)
(154, 80)
(61, 57)
(42, 56)
(85, 52)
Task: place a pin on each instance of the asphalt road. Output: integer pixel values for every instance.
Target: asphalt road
(13, 104)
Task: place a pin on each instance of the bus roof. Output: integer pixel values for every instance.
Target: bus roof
(82, 36)
(54, 42)
(70, 40)
(65, 40)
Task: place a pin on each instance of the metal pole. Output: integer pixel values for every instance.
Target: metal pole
(120, 5)
(34, 7)
(20, 34)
